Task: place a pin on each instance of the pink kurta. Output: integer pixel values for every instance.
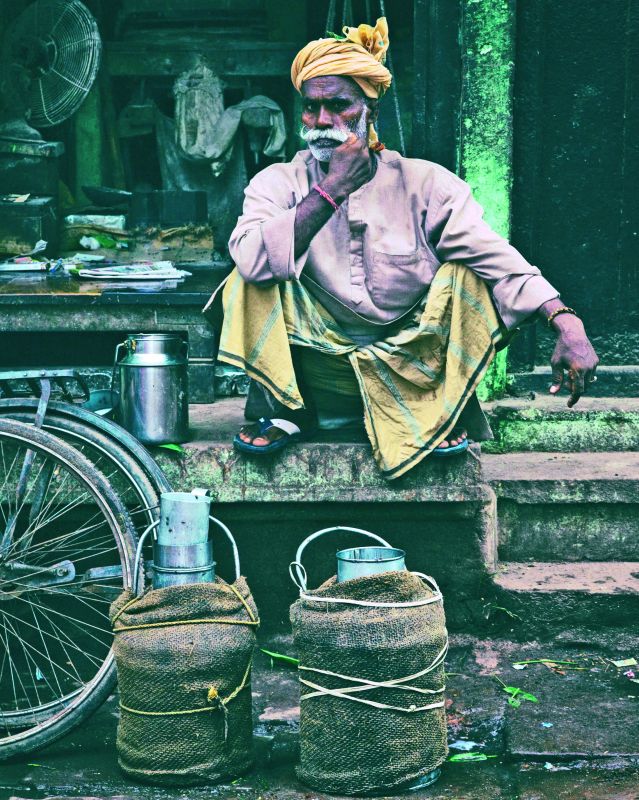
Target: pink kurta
(378, 254)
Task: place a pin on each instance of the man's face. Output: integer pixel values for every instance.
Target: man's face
(332, 108)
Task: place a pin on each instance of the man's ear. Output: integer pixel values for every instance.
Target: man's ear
(373, 110)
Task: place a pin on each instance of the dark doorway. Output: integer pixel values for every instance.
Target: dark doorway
(576, 163)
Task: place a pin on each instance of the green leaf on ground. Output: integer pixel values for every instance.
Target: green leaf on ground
(510, 613)
(517, 695)
(177, 448)
(281, 657)
(470, 757)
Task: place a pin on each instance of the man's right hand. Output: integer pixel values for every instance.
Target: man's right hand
(350, 168)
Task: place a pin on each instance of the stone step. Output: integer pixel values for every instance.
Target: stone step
(271, 504)
(566, 506)
(546, 424)
(619, 381)
(585, 577)
(558, 599)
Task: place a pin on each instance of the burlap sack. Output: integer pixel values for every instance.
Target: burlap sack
(190, 671)
(348, 747)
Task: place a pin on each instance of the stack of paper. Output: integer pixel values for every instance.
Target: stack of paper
(158, 271)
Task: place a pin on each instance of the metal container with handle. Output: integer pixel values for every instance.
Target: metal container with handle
(354, 562)
(371, 671)
(182, 547)
(154, 397)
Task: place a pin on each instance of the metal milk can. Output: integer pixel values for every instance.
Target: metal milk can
(182, 547)
(182, 550)
(154, 397)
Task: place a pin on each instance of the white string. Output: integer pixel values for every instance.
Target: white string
(369, 604)
(431, 582)
(211, 299)
(346, 692)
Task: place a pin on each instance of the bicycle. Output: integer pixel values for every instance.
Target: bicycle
(66, 552)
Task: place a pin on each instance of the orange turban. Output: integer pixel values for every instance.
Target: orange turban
(359, 55)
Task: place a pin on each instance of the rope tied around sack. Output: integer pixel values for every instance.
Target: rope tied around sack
(300, 580)
(212, 697)
(366, 685)
(216, 703)
(252, 621)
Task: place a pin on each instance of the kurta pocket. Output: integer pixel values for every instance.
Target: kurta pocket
(396, 281)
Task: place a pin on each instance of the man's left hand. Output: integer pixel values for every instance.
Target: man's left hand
(573, 354)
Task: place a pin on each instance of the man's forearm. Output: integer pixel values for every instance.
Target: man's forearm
(311, 215)
(314, 212)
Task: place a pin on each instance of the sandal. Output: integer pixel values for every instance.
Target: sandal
(455, 450)
(290, 429)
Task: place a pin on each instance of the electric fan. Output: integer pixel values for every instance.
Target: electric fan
(53, 50)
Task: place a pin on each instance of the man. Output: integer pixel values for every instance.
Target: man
(367, 284)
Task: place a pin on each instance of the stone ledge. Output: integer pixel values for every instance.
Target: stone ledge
(601, 477)
(338, 468)
(586, 577)
(546, 424)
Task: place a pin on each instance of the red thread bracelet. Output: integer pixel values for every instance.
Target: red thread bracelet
(326, 196)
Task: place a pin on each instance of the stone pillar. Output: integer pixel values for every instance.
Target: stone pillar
(486, 130)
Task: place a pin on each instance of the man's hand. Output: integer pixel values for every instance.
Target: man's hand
(573, 353)
(349, 169)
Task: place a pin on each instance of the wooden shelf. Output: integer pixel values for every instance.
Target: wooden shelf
(227, 58)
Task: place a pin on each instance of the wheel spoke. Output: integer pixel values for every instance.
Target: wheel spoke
(55, 636)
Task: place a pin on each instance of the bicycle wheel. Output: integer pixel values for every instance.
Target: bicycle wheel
(132, 484)
(68, 411)
(67, 549)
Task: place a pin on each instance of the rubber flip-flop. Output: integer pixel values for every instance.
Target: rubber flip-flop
(456, 450)
(290, 429)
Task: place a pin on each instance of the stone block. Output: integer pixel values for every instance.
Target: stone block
(546, 424)
(570, 506)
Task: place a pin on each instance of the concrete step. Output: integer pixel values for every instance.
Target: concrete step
(551, 506)
(567, 600)
(566, 506)
(619, 381)
(546, 424)
(586, 577)
(271, 504)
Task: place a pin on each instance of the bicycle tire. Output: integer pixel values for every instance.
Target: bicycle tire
(86, 700)
(120, 459)
(106, 426)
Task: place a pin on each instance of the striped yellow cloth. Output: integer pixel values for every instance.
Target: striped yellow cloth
(413, 384)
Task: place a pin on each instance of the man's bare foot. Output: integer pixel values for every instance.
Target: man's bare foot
(458, 437)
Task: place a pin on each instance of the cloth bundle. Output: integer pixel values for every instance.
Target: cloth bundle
(414, 384)
(184, 657)
(372, 683)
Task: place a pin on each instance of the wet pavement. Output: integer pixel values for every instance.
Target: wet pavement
(578, 741)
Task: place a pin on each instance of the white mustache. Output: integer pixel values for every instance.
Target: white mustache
(313, 134)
